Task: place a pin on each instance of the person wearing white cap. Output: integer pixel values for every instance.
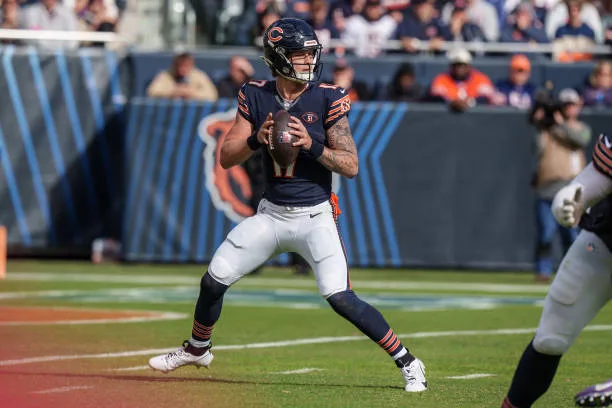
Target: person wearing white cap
(462, 86)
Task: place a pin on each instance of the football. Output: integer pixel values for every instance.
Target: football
(280, 142)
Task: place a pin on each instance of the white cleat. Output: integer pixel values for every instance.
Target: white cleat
(179, 358)
(414, 375)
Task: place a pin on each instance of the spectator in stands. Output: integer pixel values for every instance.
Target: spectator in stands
(82, 13)
(367, 33)
(397, 9)
(561, 158)
(478, 12)
(573, 39)
(344, 76)
(575, 27)
(184, 81)
(460, 29)
(598, 92)
(403, 86)
(240, 24)
(321, 24)
(267, 17)
(559, 15)
(110, 7)
(541, 8)
(516, 90)
(297, 9)
(9, 17)
(523, 27)
(422, 25)
(462, 86)
(240, 71)
(50, 15)
(102, 19)
(348, 8)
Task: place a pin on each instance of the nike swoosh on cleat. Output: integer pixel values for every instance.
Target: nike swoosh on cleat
(601, 387)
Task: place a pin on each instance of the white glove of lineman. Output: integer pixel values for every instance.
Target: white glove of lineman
(567, 206)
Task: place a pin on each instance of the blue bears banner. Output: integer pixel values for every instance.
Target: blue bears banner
(434, 189)
(61, 141)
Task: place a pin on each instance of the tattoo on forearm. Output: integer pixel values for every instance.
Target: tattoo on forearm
(341, 156)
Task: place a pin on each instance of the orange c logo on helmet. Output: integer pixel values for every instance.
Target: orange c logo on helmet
(229, 189)
(275, 38)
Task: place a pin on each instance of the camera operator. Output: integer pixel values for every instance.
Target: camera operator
(561, 140)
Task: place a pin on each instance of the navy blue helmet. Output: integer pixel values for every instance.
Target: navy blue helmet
(286, 36)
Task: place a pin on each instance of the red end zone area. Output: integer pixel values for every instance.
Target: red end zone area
(47, 335)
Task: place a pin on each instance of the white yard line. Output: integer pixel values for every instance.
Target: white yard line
(137, 368)
(279, 282)
(63, 389)
(298, 371)
(286, 343)
(77, 277)
(470, 376)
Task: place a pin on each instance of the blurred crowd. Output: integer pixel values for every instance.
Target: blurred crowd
(366, 25)
(58, 15)
(462, 86)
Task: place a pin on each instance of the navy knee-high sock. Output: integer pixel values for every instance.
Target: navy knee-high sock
(371, 323)
(207, 310)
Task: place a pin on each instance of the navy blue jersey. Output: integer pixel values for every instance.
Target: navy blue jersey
(306, 182)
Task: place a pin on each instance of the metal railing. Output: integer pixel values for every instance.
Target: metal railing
(484, 47)
(50, 35)
(478, 47)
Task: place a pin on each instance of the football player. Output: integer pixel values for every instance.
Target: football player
(598, 395)
(298, 212)
(583, 284)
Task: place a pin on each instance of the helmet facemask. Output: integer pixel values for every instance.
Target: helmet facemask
(280, 63)
(313, 71)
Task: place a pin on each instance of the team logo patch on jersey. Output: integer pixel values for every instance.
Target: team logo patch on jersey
(591, 247)
(310, 117)
(229, 189)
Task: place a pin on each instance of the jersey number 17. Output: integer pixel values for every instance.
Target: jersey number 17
(287, 172)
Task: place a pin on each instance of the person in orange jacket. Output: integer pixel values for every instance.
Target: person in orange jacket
(462, 86)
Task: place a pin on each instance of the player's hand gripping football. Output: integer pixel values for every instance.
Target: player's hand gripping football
(298, 129)
(567, 206)
(265, 131)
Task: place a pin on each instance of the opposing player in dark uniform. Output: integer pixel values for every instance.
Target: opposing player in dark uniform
(298, 212)
(583, 284)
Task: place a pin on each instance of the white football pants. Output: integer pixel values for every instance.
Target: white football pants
(582, 287)
(309, 231)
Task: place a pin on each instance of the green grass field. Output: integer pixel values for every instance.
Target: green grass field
(459, 323)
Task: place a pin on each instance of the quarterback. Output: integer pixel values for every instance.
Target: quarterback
(583, 284)
(298, 212)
